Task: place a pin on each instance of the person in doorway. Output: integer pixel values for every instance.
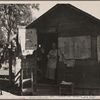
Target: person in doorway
(41, 61)
(52, 63)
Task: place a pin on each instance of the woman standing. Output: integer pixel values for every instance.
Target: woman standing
(52, 63)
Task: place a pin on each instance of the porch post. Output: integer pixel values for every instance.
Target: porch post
(10, 65)
(35, 75)
(57, 57)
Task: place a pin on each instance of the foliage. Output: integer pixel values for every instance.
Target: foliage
(12, 15)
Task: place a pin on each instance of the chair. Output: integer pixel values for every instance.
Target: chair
(66, 88)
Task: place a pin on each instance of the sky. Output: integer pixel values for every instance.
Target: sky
(91, 7)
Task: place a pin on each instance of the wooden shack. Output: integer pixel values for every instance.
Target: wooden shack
(77, 34)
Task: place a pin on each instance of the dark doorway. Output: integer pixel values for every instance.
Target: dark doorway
(46, 40)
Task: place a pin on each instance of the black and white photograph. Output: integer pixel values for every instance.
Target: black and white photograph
(49, 48)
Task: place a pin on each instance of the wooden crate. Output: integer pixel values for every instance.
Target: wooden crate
(27, 73)
(28, 66)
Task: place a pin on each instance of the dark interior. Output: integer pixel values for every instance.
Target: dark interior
(47, 40)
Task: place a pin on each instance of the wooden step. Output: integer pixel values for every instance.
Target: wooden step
(45, 86)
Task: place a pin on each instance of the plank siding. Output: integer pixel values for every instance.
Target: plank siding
(69, 21)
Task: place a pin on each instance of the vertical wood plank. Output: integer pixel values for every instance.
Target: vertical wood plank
(32, 81)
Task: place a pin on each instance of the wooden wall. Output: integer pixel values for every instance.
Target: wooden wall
(86, 72)
(66, 21)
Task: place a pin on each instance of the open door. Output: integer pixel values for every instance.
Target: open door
(45, 39)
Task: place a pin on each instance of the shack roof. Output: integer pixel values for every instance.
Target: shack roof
(65, 17)
(59, 6)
